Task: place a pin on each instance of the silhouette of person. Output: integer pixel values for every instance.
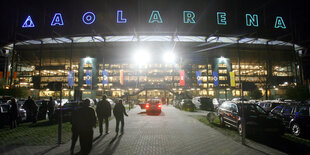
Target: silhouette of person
(85, 122)
(103, 113)
(51, 109)
(119, 112)
(74, 128)
(27, 107)
(13, 113)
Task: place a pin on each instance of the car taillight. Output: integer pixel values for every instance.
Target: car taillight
(147, 106)
(159, 105)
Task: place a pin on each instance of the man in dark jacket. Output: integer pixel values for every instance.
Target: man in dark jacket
(13, 113)
(103, 112)
(51, 109)
(83, 121)
(119, 112)
(31, 109)
(74, 129)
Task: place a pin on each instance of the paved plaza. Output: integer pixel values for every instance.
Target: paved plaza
(171, 132)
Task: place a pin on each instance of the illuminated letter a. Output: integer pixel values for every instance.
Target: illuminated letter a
(155, 17)
(279, 23)
(57, 20)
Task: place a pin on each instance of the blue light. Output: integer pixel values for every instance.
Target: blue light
(188, 17)
(221, 18)
(120, 18)
(28, 23)
(279, 23)
(89, 18)
(251, 20)
(155, 17)
(57, 20)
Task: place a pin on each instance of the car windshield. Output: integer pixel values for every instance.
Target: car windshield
(252, 109)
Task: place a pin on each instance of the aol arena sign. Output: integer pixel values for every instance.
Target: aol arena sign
(189, 17)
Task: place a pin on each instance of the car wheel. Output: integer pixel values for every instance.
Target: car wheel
(296, 130)
(222, 123)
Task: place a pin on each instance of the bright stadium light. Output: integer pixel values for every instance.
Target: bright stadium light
(169, 57)
(141, 56)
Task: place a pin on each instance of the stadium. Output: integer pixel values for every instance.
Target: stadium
(146, 49)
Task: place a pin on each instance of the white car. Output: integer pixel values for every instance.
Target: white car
(111, 102)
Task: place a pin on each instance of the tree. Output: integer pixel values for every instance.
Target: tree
(300, 93)
(256, 94)
(19, 92)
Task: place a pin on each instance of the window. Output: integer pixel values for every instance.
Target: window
(287, 110)
(277, 110)
(303, 111)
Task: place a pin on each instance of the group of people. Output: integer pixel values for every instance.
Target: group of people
(84, 119)
(32, 110)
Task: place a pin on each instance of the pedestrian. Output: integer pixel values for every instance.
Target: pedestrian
(74, 128)
(34, 110)
(119, 112)
(85, 122)
(42, 111)
(27, 107)
(13, 113)
(103, 110)
(51, 109)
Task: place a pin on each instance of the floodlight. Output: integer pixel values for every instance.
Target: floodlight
(169, 57)
(141, 56)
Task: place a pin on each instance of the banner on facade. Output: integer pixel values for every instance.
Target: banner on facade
(1, 75)
(121, 77)
(88, 77)
(8, 74)
(182, 78)
(216, 78)
(105, 77)
(198, 76)
(70, 78)
(15, 75)
(232, 79)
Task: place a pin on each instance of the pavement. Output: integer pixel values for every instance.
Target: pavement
(171, 132)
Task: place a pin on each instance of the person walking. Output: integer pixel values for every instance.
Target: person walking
(34, 110)
(103, 113)
(31, 109)
(27, 107)
(51, 109)
(13, 113)
(85, 122)
(74, 128)
(119, 112)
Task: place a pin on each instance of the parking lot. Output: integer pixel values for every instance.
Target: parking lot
(171, 132)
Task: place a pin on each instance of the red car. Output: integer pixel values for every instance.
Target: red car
(153, 105)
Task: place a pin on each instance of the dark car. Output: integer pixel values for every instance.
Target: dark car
(269, 105)
(153, 105)
(67, 110)
(187, 104)
(257, 119)
(42, 109)
(296, 118)
(4, 116)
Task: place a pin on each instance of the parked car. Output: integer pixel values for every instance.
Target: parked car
(4, 116)
(203, 103)
(42, 109)
(67, 110)
(187, 104)
(153, 105)
(257, 119)
(296, 118)
(269, 105)
(112, 103)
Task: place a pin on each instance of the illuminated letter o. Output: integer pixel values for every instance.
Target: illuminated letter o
(88, 18)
